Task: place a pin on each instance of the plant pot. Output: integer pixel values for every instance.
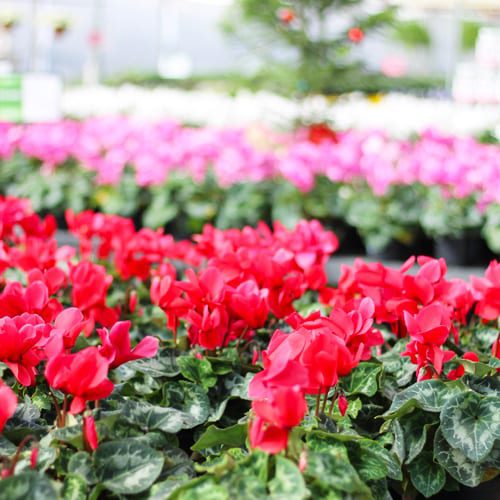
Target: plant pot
(59, 31)
(453, 250)
(478, 253)
(394, 251)
(485, 491)
(350, 242)
(9, 25)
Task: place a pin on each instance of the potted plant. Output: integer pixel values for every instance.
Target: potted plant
(9, 21)
(60, 26)
(388, 223)
(454, 223)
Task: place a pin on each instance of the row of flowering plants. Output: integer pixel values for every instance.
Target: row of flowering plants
(387, 189)
(227, 367)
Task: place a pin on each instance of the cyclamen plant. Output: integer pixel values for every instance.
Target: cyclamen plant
(141, 365)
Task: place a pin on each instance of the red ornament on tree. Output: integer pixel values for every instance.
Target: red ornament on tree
(320, 132)
(356, 34)
(95, 38)
(286, 15)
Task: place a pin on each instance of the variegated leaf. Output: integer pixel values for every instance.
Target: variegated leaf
(74, 488)
(127, 467)
(456, 463)
(471, 423)
(363, 379)
(81, 464)
(229, 437)
(429, 395)
(415, 427)
(427, 476)
(149, 417)
(190, 400)
(164, 364)
(288, 481)
(26, 485)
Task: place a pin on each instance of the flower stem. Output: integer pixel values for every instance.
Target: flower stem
(22, 444)
(318, 398)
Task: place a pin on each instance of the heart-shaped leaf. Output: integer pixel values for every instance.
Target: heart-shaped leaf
(427, 476)
(28, 484)
(456, 463)
(127, 467)
(471, 423)
(288, 481)
(363, 379)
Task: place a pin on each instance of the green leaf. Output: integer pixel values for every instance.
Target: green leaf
(149, 417)
(74, 488)
(161, 209)
(71, 435)
(398, 445)
(216, 464)
(177, 463)
(456, 463)
(197, 370)
(6, 447)
(288, 481)
(238, 385)
(487, 386)
(363, 379)
(230, 437)
(366, 461)
(164, 364)
(28, 484)
(477, 368)
(248, 479)
(202, 487)
(163, 489)
(127, 467)
(333, 469)
(190, 400)
(415, 427)
(429, 395)
(46, 457)
(427, 476)
(81, 464)
(471, 423)
(374, 458)
(379, 489)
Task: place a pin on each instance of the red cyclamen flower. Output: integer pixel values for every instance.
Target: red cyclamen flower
(275, 416)
(8, 403)
(84, 375)
(19, 345)
(89, 431)
(116, 345)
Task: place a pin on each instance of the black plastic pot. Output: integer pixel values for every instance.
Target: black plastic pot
(478, 253)
(453, 250)
(489, 490)
(394, 251)
(350, 243)
(469, 250)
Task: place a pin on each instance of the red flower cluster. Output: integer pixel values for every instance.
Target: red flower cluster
(8, 404)
(428, 329)
(250, 273)
(356, 34)
(396, 291)
(237, 282)
(36, 329)
(487, 292)
(308, 360)
(134, 253)
(424, 305)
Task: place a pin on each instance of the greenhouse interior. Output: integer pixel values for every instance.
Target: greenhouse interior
(249, 249)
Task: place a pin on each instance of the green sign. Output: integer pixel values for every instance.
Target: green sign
(11, 109)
